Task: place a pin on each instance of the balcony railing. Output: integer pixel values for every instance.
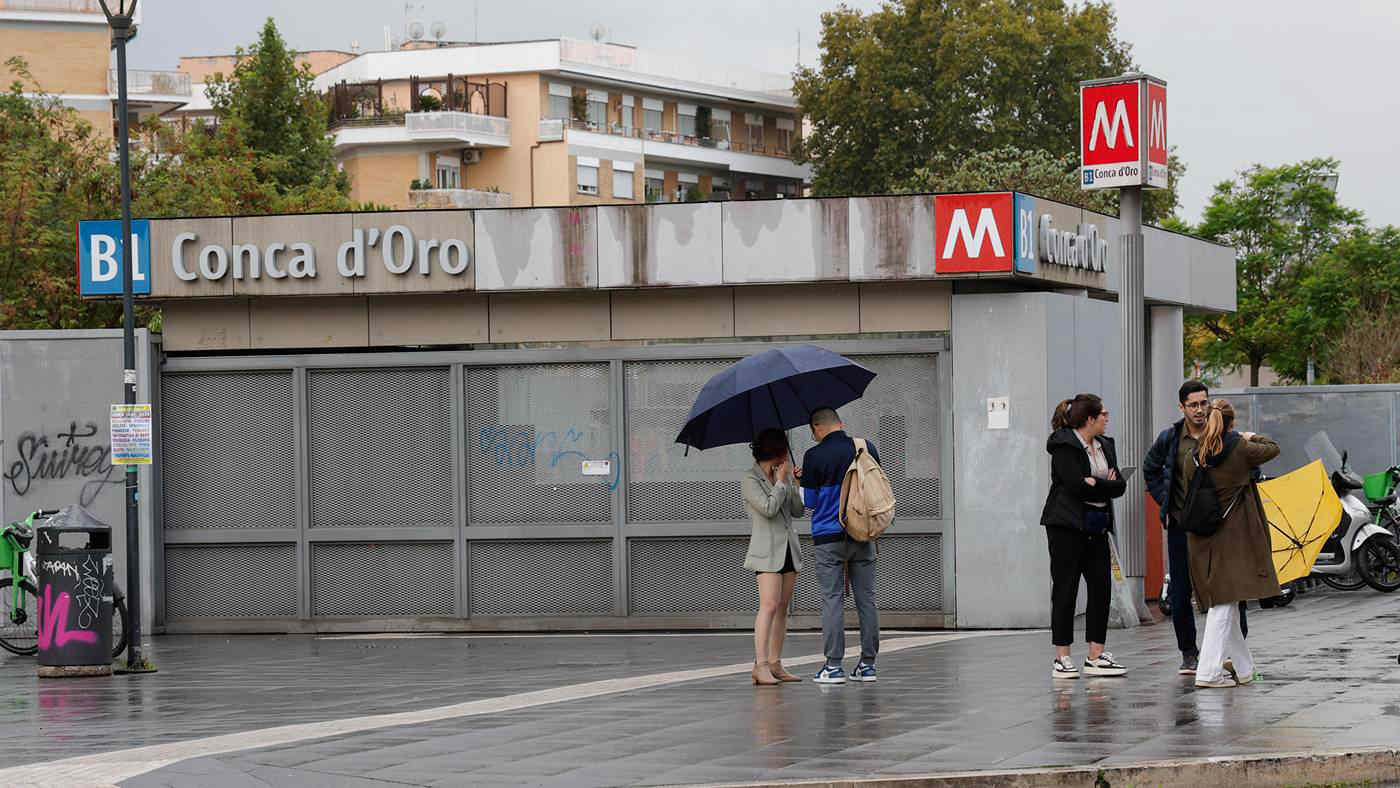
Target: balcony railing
(428, 124)
(60, 6)
(551, 130)
(674, 138)
(151, 83)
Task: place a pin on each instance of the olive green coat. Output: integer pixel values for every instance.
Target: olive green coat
(1237, 561)
(771, 509)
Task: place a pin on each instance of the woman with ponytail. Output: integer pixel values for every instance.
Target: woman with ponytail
(1078, 516)
(1236, 562)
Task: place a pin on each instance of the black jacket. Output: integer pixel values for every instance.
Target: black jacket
(1159, 468)
(1069, 466)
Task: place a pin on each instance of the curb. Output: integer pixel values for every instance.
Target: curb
(1364, 765)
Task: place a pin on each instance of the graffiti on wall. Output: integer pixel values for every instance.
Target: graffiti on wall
(76, 452)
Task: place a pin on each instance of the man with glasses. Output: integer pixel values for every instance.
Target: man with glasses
(1167, 471)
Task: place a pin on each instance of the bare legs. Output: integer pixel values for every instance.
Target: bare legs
(770, 625)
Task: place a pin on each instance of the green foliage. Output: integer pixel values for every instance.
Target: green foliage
(693, 194)
(702, 122)
(1282, 222)
(1351, 296)
(272, 106)
(924, 83)
(578, 107)
(427, 102)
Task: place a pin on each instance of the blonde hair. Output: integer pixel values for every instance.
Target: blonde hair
(1219, 420)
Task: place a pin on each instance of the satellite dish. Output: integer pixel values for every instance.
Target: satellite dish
(598, 33)
(415, 30)
(439, 30)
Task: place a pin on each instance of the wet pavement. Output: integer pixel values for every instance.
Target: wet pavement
(1330, 682)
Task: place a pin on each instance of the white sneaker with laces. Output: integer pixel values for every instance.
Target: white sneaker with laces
(1063, 668)
(1104, 665)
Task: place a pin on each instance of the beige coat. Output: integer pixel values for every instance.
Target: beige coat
(771, 509)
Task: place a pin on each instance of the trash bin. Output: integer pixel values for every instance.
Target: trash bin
(73, 551)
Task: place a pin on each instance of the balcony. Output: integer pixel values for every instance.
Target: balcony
(457, 198)
(464, 127)
(87, 12)
(551, 130)
(672, 138)
(666, 146)
(160, 86)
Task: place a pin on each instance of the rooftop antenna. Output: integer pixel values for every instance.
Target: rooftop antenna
(598, 33)
(439, 30)
(476, 21)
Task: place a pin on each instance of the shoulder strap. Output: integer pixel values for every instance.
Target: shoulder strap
(861, 444)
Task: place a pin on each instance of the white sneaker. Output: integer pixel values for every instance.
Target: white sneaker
(1103, 666)
(1063, 668)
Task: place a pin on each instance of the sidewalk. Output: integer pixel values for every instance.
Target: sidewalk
(655, 709)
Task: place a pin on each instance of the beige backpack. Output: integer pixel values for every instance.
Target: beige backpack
(867, 501)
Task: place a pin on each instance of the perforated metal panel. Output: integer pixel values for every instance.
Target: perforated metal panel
(690, 575)
(381, 448)
(541, 578)
(383, 579)
(227, 451)
(664, 483)
(231, 581)
(529, 429)
(908, 576)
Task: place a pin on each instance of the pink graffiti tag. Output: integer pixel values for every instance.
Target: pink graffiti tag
(53, 622)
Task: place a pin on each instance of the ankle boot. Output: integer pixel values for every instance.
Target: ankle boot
(761, 674)
(776, 667)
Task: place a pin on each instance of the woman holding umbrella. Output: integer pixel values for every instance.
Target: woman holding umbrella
(1236, 562)
(772, 499)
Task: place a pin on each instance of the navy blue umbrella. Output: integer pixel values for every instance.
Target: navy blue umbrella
(776, 388)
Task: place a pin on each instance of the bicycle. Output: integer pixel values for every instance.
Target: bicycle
(19, 616)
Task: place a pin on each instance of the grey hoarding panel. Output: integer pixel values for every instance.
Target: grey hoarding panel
(891, 237)
(674, 245)
(549, 248)
(786, 240)
(541, 577)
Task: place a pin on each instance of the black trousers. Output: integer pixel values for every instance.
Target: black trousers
(1075, 554)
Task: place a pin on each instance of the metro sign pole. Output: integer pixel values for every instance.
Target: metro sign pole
(1123, 145)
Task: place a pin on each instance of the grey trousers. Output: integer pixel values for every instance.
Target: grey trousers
(834, 562)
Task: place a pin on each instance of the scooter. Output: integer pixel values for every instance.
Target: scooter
(1358, 552)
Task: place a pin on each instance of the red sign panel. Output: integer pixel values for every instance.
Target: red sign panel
(1109, 124)
(973, 233)
(1156, 123)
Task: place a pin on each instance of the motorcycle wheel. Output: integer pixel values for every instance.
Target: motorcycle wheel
(1378, 562)
(1351, 582)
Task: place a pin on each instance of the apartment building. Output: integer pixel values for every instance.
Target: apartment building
(67, 46)
(559, 122)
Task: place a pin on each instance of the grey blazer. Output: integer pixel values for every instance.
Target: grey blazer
(771, 508)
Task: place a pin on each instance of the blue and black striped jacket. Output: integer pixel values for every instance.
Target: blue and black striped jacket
(823, 467)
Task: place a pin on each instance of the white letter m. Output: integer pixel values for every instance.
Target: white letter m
(972, 241)
(1110, 130)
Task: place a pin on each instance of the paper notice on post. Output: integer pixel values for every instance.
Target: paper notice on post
(999, 413)
(131, 435)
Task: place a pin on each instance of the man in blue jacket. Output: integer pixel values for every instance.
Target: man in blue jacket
(1167, 471)
(837, 555)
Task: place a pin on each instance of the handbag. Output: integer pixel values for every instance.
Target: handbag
(1201, 515)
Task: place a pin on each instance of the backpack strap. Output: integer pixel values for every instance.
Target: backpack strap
(861, 445)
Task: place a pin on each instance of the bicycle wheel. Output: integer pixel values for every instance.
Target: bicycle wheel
(1351, 582)
(19, 637)
(119, 622)
(1378, 561)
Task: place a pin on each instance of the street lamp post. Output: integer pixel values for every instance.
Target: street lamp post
(121, 23)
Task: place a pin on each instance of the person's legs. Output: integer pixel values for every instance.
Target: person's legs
(1237, 650)
(1096, 568)
(1219, 622)
(1244, 618)
(862, 568)
(770, 592)
(778, 633)
(1179, 593)
(831, 577)
(1065, 547)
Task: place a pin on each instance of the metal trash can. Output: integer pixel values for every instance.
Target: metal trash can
(73, 551)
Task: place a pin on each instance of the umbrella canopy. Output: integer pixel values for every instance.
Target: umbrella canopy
(1303, 511)
(776, 388)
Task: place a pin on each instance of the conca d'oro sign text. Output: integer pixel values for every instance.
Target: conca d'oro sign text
(396, 249)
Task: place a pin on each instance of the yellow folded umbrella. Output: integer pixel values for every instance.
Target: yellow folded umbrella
(1303, 511)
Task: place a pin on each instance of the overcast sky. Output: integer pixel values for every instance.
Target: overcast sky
(1249, 81)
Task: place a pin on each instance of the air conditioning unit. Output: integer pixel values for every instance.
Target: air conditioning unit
(471, 156)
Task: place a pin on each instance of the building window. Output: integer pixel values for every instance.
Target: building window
(560, 99)
(622, 183)
(786, 127)
(587, 176)
(655, 186)
(719, 130)
(719, 188)
(597, 109)
(652, 119)
(448, 177)
(754, 130)
(685, 119)
(628, 115)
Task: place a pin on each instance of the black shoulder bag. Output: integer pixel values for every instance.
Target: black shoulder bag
(1201, 515)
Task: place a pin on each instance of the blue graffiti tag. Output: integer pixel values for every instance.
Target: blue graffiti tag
(512, 446)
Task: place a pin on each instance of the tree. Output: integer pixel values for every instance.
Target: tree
(54, 170)
(1281, 221)
(1351, 294)
(271, 103)
(1035, 172)
(923, 81)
